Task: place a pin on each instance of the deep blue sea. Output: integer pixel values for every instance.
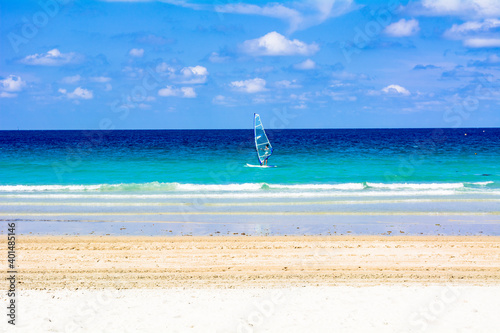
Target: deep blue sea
(156, 159)
(329, 176)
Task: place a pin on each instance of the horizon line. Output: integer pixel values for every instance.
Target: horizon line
(240, 129)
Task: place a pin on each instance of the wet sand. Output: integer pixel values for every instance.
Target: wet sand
(129, 262)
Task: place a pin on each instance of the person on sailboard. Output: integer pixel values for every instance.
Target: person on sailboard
(267, 154)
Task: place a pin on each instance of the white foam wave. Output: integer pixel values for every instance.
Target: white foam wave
(179, 188)
(44, 188)
(483, 183)
(155, 186)
(242, 195)
(219, 188)
(345, 186)
(417, 186)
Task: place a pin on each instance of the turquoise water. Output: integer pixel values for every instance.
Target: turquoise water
(417, 181)
(219, 157)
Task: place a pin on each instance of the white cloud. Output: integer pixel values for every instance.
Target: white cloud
(270, 10)
(137, 53)
(71, 79)
(301, 106)
(100, 79)
(341, 96)
(402, 28)
(275, 44)
(348, 76)
(12, 83)
(184, 92)
(168, 91)
(10, 86)
(103, 79)
(81, 93)
(372, 92)
(133, 72)
(306, 64)
(265, 69)
(493, 59)
(222, 100)
(219, 99)
(304, 15)
(180, 3)
(250, 86)
(286, 84)
(225, 101)
(459, 30)
(395, 89)
(298, 14)
(217, 58)
(330, 8)
(193, 75)
(464, 8)
(78, 93)
(482, 42)
(188, 92)
(5, 94)
(164, 68)
(186, 75)
(77, 78)
(475, 34)
(52, 58)
(304, 97)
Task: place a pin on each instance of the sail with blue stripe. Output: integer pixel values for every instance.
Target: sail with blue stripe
(262, 144)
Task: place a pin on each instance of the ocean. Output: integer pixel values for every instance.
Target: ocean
(196, 182)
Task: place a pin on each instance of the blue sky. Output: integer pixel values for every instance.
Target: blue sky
(211, 64)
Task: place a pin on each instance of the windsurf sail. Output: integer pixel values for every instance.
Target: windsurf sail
(262, 144)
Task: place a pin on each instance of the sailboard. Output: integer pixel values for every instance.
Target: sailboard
(260, 166)
(262, 144)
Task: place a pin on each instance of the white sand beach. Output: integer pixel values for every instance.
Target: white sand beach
(383, 308)
(257, 284)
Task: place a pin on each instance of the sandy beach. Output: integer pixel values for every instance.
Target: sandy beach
(384, 308)
(257, 284)
(63, 262)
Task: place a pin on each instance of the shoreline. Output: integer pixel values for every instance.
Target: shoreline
(152, 262)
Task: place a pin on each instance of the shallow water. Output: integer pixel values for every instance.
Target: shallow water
(424, 181)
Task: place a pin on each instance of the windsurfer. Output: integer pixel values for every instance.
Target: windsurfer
(267, 154)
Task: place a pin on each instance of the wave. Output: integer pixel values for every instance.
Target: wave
(231, 195)
(345, 186)
(253, 187)
(416, 186)
(47, 188)
(133, 187)
(482, 183)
